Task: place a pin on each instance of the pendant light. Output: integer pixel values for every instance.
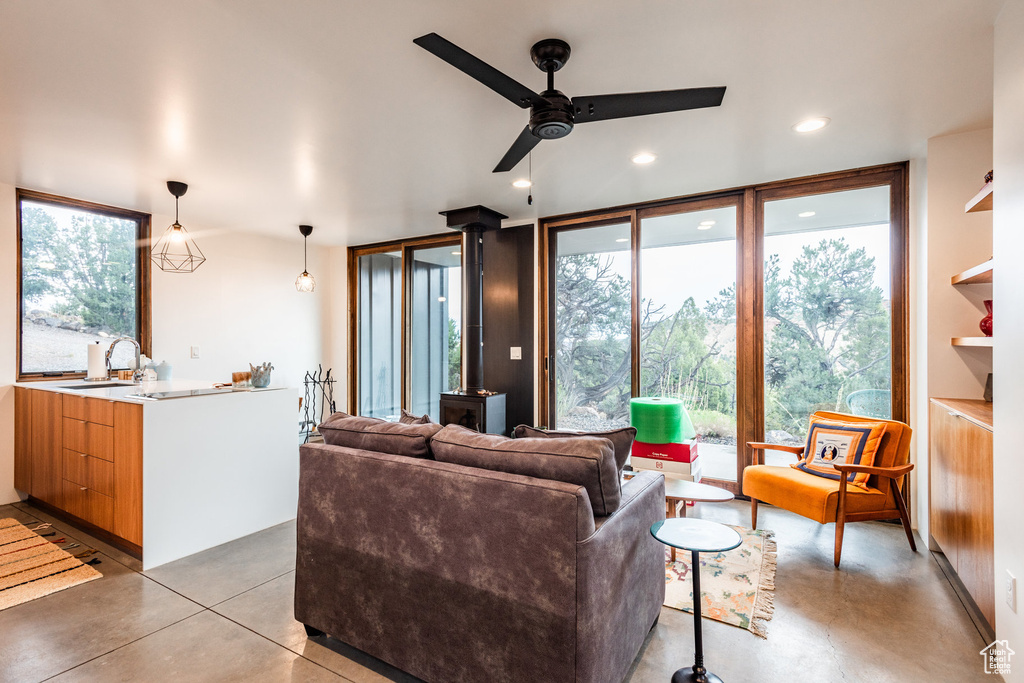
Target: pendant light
(176, 251)
(305, 282)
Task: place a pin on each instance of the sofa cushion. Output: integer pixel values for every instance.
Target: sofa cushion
(622, 439)
(587, 461)
(374, 434)
(408, 418)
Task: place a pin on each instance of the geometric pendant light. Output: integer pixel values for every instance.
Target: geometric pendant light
(305, 281)
(176, 251)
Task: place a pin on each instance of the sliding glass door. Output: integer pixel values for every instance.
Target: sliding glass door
(827, 309)
(755, 306)
(435, 321)
(592, 323)
(406, 320)
(688, 321)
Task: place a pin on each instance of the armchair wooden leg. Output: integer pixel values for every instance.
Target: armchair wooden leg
(840, 521)
(753, 512)
(904, 517)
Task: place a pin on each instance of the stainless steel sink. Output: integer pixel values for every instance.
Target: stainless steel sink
(100, 385)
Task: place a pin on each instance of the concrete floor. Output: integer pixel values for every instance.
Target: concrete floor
(225, 615)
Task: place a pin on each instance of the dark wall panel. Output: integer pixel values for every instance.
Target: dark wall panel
(508, 319)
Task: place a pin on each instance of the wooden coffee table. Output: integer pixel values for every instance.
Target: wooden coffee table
(679, 491)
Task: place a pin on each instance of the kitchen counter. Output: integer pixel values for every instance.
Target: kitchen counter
(115, 390)
(164, 477)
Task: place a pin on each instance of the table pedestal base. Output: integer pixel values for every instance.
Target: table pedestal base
(694, 675)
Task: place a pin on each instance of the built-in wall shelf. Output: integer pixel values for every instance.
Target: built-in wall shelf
(972, 341)
(980, 274)
(981, 201)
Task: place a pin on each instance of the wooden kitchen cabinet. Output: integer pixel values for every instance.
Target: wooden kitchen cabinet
(82, 456)
(961, 488)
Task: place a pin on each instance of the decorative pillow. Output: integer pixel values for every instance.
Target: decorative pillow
(583, 460)
(622, 439)
(374, 434)
(849, 443)
(408, 418)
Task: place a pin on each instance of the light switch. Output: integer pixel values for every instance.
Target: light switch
(516, 353)
(193, 352)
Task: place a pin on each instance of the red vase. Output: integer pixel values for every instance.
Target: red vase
(986, 322)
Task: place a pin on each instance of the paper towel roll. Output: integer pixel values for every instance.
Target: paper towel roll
(97, 362)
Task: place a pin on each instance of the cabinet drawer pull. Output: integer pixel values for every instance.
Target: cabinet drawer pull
(83, 488)
(952, 414)
(83, 455)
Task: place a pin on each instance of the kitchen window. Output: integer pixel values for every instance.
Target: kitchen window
(83, 277)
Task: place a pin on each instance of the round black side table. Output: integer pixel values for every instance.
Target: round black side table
(698, 536)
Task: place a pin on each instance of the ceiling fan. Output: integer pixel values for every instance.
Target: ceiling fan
(552, 114)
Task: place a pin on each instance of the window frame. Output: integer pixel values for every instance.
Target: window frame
(749, 286)
(143, 274)
(406, 247)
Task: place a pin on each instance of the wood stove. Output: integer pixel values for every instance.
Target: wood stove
(473, 406)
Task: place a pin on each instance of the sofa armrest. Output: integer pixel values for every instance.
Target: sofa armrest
(620, 579)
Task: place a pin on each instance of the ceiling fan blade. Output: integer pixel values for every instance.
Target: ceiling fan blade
(507, 87)
(519, 149)
(604, 107)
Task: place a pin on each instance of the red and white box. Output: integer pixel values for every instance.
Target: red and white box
(690, 471)
(676, 452)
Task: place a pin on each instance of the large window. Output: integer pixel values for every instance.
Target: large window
(407, 313)
(755, 307)
(83, 278)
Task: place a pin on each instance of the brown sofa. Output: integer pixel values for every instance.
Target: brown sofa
(457, 573)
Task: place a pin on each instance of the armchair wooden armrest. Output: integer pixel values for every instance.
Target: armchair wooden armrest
(887, 472)
(758, 447)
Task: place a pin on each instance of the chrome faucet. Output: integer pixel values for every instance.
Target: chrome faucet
(138, 373)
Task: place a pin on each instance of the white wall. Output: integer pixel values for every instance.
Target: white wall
(918, 380)
(957, 165)
(8, 336)
(240, 307)
(1008, 241)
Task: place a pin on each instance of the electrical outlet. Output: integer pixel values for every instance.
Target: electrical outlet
(1011, 591)
(516, 353)
(193, 352)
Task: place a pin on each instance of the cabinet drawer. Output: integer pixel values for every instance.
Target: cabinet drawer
(90, 505)
(90, 438)
(86, 470)
(96, 410)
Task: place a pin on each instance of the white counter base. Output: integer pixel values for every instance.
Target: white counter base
(216, 468)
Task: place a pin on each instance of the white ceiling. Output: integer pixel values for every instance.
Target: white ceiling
(325, 112)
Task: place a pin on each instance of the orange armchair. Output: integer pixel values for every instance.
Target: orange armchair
(826, 500)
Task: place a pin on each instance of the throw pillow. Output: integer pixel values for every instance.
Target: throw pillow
(408, 418)
(833, 441)
(373, 434)
(583, 460)
(622, 439)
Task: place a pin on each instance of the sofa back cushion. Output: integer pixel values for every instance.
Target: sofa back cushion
(408, 418)
(583, 460)
(374, 434)
(622, 439)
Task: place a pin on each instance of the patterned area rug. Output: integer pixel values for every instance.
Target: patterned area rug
(31, 566)
(737, 586)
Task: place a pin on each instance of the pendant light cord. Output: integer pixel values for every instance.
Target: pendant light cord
(529, 197)
(305, 268)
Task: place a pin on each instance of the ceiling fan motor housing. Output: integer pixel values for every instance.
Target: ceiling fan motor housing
(555, 121)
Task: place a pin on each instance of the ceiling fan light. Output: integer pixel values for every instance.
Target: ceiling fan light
(522, 182)
(811, 125)
(643, 158)
(805, 214)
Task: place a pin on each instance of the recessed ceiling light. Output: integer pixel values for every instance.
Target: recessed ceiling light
(622, 239)
(805, 214)
(522, 182)
(456, 253)
(442, 299)
(707, 224)
(704, 227)
(643, 158)
(811, 125)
